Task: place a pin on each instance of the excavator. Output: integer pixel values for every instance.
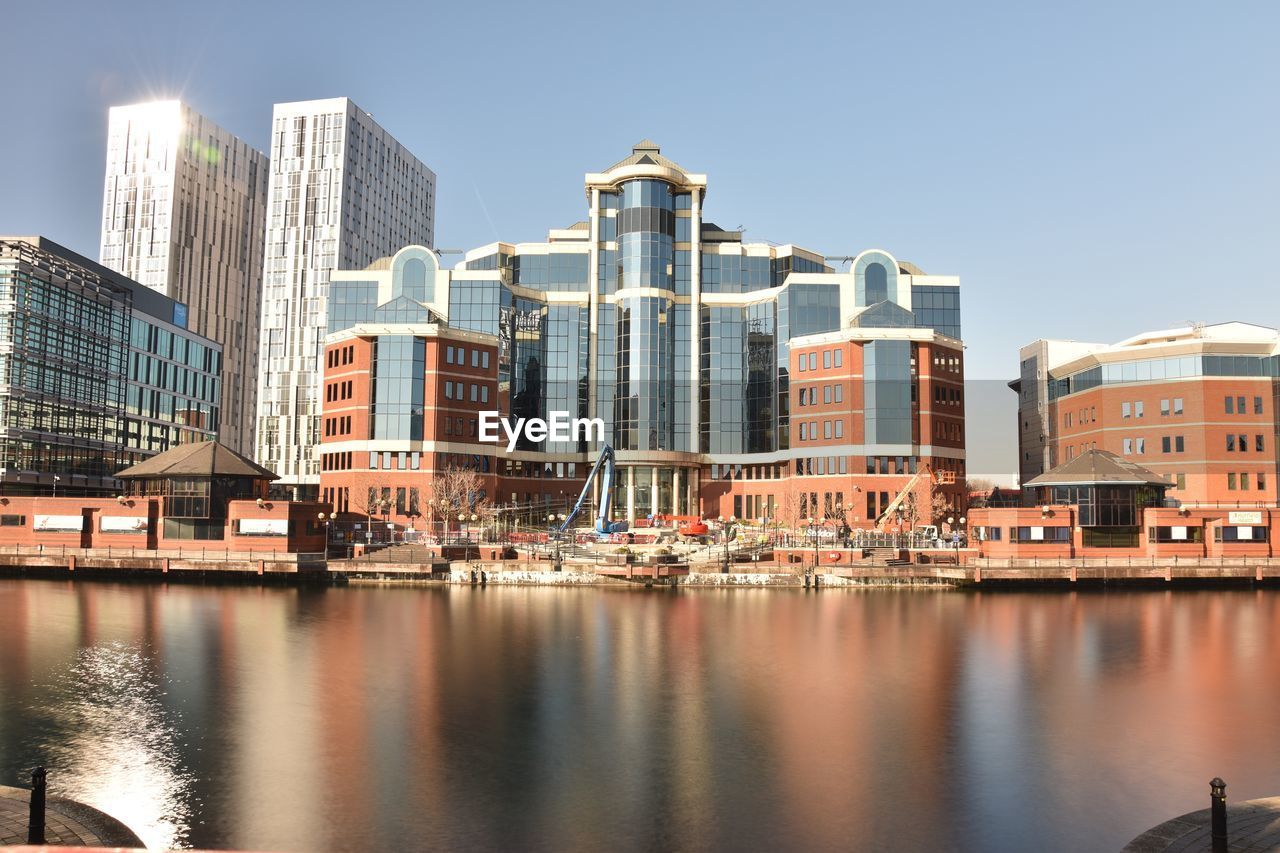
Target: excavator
(605, 468)
(926, 470)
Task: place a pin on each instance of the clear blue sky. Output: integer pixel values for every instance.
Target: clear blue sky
(1088, 169)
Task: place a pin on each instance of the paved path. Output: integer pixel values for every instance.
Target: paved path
(1252, 826)
(67, 822)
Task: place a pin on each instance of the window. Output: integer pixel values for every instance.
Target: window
(826, 393)
(1244, 444)
(1166, 444)
(1178, 444)
(1230, 404)
(1240, 405)
(1038, 535)
(1257, 443)
(1138, 409)
(1231, 482)
(1175, 534)
(1142, 445)
(840, 429)
(475, 358)
(1240, 534)
(840, 360)
(484, 360)
(1128, 446)
(1126, 409)
(13, 521)
(826, 429)
(813, 361)
(802, 362)
(448, 390)
(1181, 480)
(839, 391)
(1257, 405)
(1177, 405)
(1262, 480)
(1244, 481)
(826, 359)
(448, 355)
(1164, 408)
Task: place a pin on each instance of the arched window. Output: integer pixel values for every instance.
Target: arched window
(877, 279)
(413, 279)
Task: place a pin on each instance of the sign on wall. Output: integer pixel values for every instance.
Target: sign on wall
(124, 524)
(59, 523)
(262, 527)
(1236, 518)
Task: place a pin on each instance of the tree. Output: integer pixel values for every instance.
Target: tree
(462, 493)
(366, 495)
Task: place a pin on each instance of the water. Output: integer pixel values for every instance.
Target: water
(573, 719)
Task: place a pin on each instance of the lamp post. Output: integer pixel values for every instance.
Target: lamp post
(962, 521)
(324, 521)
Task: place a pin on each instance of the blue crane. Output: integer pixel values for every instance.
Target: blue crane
(602, 525)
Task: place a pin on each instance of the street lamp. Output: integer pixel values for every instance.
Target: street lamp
(324, 520)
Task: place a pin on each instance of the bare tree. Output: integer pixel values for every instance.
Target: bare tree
(462, 493)
(366, 497)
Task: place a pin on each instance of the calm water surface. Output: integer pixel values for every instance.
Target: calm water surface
(578, 719)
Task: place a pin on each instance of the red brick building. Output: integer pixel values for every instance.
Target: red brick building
(1197, 405)
(382, 459)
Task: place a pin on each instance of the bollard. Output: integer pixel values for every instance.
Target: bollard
(484, 578)
(1218, 814)
(35, 821)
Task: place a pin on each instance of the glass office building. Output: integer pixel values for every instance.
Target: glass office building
(97, 372)
(677, 333)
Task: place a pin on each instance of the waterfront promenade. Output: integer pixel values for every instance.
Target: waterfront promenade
(1253, 826)
(67, 823)
(838, 567)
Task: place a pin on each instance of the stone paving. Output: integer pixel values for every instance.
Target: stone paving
(87, 828)
(1253, 826)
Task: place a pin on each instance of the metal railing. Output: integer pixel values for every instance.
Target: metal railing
(112, 552)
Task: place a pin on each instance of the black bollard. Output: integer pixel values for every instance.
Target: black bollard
(484, 578)
(1218, 814)
(817, 581)
(473, 575)
(806, 580)
(35, 822)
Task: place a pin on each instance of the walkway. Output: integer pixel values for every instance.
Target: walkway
(1252, 825)
(67, 823)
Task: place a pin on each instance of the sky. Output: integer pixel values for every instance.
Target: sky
(1089, 170)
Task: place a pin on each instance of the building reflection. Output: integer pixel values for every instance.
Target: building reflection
(505, 718)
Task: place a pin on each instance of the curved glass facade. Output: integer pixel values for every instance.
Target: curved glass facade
(644, 410)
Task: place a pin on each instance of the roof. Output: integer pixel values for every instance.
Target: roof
(1099, 466)
(646, 153)
(201, 459)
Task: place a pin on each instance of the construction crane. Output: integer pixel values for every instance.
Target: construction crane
(925, 470)
(602, 524)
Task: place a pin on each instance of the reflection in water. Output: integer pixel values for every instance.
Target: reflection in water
(510, 718)
(117, 748)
